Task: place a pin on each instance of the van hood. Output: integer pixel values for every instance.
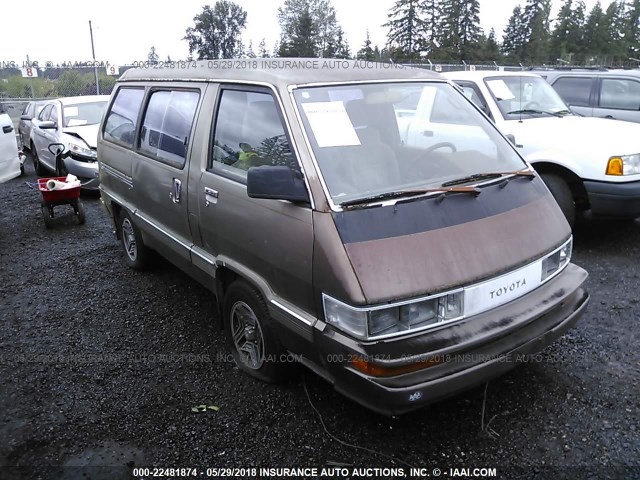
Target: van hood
(431, 245)
(595, 137)
(88, 133)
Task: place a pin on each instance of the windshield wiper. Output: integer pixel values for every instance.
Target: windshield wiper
(407, 193)
(528, 111)
(488, 176)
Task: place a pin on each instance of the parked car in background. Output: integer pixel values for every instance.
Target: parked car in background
(32, 109)
(589, 164)
(10, 162)
(613, 94)
(72, 122)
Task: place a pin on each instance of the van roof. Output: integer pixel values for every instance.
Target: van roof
(280, 72)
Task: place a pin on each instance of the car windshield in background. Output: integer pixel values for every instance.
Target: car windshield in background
(523, 95)
(83, 114)
(377, 139)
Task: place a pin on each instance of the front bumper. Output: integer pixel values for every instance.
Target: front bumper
(87, 172)
(469, 352)
(616, 200)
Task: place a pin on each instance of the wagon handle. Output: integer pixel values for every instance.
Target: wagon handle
(59, 148)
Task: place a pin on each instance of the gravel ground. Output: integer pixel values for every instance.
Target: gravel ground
(83, 382)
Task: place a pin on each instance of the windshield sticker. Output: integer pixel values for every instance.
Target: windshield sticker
(70, 111)
(76, 122)
(500, 90)
(331, 124)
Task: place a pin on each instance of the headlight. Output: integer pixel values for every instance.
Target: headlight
(624, 165)
(83, 151)
(553, 263)
(368, 323)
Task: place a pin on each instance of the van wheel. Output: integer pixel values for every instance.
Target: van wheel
(562, 193)
(251, 337)
(136, 254)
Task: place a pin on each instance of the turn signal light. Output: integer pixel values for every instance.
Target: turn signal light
(377, 370)
(615, 166)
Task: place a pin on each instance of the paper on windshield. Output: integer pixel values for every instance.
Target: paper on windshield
(331, 124)
(70, 111)
(76, 122)
(500, 90)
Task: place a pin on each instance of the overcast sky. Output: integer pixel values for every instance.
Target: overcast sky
(124, 30)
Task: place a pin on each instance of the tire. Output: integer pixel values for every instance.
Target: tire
(80, 212)
(251, 336)
(40, 169)
(46, 214)
(562, 194)
(136, 254)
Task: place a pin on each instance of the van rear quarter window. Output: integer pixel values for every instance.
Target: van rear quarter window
(122, 121)
(166, 126)
(249, 133)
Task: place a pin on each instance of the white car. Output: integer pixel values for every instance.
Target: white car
(589, 164)
(72, 122)
(10, 162)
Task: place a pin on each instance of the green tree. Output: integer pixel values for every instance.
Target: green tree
(217, 31)
(616, 18)
(596, 36)
(460, 30)
(302, 40)
(491, 48)
(513, 42)
(406, 28)
(366, 52)
(338, 46)
(250, 53)
(153, 56)
(633, 20)
(432, 31)
(262, 49)
(299, 17)
(536, 30)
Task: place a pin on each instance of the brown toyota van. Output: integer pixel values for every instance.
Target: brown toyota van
(403, 257)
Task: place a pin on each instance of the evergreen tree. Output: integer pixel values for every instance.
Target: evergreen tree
(596, 36)
(153, 56)
(262, 49)
(298, 17)
(302, 40)
(406, 28)
(514, 37)
(431, 10)
(536, 30)
(338, 46)
(618, 32)
(250, 53)
(366, 52)
(491, 48)
(567, 40)
(633, 36)
(217, 31)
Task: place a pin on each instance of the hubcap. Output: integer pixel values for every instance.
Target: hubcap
(129, 239)
(247, 335)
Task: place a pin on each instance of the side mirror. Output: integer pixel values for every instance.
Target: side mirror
(25, 117)
(48, 125)
(276, 183)
(512, 138)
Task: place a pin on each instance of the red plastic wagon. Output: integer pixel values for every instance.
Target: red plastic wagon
(53, 198)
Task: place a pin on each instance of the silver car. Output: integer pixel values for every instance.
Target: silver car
(72, 122)
(32, 109)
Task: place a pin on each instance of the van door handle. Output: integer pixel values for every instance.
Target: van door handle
(177, 191)
(611, 117)
(7, 129)
(210, 196)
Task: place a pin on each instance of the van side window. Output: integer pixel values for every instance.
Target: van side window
(123, 117)
(248, 133)
(620, 93)
(574, 90)
(44, 113)
(166, 125)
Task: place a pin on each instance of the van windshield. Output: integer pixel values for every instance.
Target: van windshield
(374, 139)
